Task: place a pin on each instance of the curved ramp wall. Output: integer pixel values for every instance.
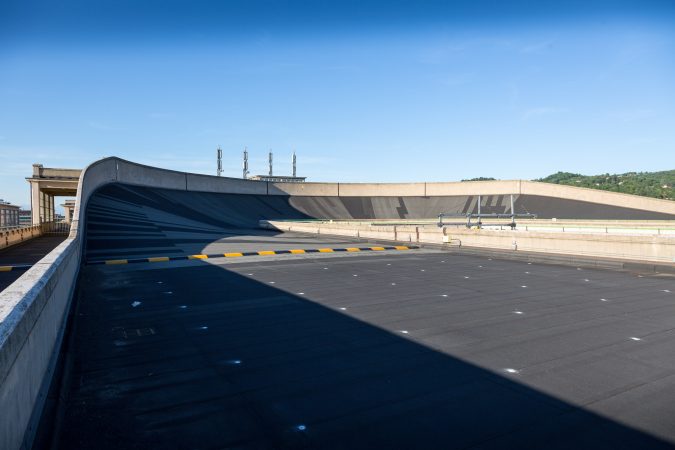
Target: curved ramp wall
(34, 309)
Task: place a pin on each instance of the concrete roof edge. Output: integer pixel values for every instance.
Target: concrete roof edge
(17, 299)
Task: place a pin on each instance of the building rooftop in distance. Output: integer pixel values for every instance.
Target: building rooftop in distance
(9, 214)
(278, 178)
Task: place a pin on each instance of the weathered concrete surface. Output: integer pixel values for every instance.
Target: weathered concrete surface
(32, 312)
(132, 173)
(655, 248)
(597, 196)
(305, 189)
(32, 321)
(382, 189)
(206, 183)
(474, 188)
(18, 235)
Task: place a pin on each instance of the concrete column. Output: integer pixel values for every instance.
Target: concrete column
(42, 207)
(51, 208)
(35, 202)
(68, 212)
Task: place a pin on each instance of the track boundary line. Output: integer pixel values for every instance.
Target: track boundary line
(15, 267)
(298, 251)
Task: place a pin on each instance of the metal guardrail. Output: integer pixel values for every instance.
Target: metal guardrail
(480, 217)
(55, 228)
(607, 229)
(479, 224)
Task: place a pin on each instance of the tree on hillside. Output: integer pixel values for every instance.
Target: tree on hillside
(647, 184)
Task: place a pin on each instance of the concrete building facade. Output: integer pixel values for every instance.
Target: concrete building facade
(9, 214)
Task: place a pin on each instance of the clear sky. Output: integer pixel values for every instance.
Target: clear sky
(363, 90)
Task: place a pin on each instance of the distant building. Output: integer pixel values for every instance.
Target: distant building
(69, 207)
(9, 214)
(278, 178)
(25, 217)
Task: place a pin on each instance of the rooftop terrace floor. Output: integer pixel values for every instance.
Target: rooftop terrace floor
(410, 349)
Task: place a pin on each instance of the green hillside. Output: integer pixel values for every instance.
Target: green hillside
(648, 184)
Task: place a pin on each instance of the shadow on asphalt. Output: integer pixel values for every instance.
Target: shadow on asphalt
(214, 359)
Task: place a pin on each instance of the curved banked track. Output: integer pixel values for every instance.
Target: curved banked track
(132, 221)
(242, 210)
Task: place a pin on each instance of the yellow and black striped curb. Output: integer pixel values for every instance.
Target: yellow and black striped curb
(299, 251)
(15, 267)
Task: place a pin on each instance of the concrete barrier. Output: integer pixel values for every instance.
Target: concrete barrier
(207, 183)
(32, 316)
(652, 248)
(138, 174)
(18, 235)
(473, 188)
(382, 190)
(597, 196)
(33, 313)
(305, 189)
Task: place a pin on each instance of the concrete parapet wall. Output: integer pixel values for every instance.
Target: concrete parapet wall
(137, 174)
(638, 248)
(32, 317)
(382, 189)
(33, 313)
(653, 248)
(141, 175)
(55, 172)
(597, 196)
(207, 183)
(305, 189)
(98, 174)
(473, 188)
(18, 235)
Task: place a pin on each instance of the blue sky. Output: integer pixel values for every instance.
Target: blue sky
(364, 91)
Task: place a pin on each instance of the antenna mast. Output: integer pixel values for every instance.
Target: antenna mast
(219, 170)
(294, 161)
(270, 161)
(245, 173)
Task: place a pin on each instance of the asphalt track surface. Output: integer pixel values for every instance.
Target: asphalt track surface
(408, 349)
(417, 349)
